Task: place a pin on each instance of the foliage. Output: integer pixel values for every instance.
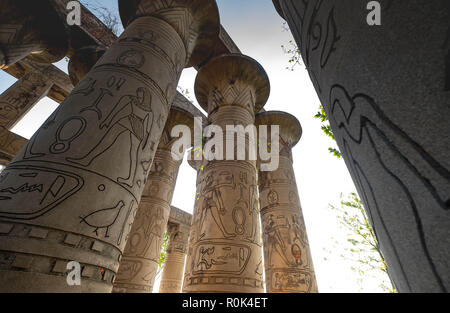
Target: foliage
(162, 256)
(293, 51)
(362, 248)
(326, 128)
(109, 18)
(294, 55)
(185, 93)
(295, 59)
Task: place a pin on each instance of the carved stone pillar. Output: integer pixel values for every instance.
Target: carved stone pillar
(197, 166)
(225, 243)
(73, 190)
(32, 28)
(139, 264)
(178, 228)
(287, 257)
(386, 91)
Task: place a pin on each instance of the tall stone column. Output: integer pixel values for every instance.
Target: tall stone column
(385, 89)
(72, 192)
(196, 164)
(139, 264)
(225, 243)
(287, 257)
(32, 28)
(178, 228)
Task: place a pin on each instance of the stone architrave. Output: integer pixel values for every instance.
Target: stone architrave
(37, 29)
(18, 99)
(386, 91)
(225, 244)
(287, 257)
(139, 264)
(178, 228)
(73, 190)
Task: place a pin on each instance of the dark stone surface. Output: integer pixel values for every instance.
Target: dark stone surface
(386, 91)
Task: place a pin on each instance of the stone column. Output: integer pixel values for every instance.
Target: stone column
(196, 164)
(139, 264)
(287, 257)
(32, 28)
(72, 192)
(386, 92)
(83, 61)
(225, 241)
(178, 227)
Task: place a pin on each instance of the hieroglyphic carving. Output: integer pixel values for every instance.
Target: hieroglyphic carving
(225, 245)
(368, 128)
(66, 185)
(400, 170)
(142, 251)
(287, 257)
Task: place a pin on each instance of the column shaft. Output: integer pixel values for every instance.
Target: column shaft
(225, 244)
(85, 169)
(139, 264)
(287, 258)
(172, 276)
(385, 89)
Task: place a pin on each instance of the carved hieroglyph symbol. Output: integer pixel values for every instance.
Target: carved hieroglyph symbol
(32, 191)
(223, 258)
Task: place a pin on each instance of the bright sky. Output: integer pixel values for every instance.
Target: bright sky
(257, 29)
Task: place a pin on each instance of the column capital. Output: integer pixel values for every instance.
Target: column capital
(232, 79)
(196, 21)
(36, 29)
(277, 5)
(83, 61)
(290, 127)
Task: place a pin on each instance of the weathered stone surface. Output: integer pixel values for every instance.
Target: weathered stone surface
(84, 171)
(225, 245)
(287, 257)
(385, 90)
(139, 264)
(61, 86)
(31, 28)
(83, 61)
(21, 96)
(178, 228)
(10, 144)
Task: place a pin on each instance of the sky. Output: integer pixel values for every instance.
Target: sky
(257, 29)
